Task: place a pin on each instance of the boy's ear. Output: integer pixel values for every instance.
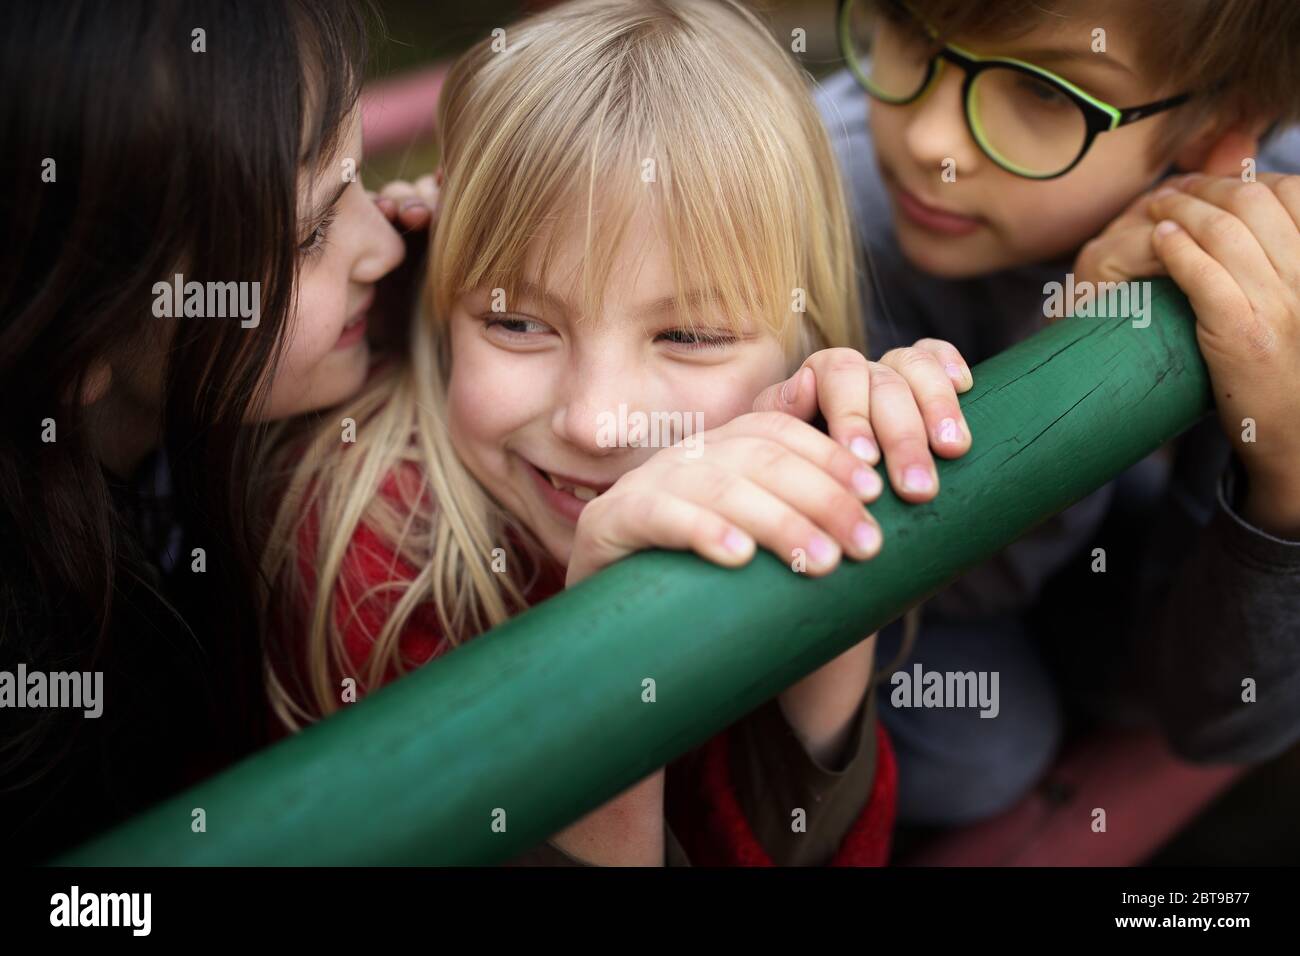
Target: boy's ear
(1220, 152)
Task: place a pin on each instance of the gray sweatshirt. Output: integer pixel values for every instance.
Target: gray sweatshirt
(1194, 600)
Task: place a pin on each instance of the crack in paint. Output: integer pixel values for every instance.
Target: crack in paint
(1057, 419)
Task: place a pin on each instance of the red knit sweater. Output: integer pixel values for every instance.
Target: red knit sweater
(702, 807)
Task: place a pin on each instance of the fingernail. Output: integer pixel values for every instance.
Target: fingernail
(789, 390)
(954, 372)
(864, 448)
(1165, 227)
(948, 431)
(821, 551)
(736, 542)
(917, 478)
(866, 536)
(867, 482)
(411, 204)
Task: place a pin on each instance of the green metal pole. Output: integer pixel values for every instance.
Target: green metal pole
(543, 719)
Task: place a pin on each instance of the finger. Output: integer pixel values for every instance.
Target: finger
(796, 396)
(414, 214)
(1223, 236)
(902, 432)
(951, 360)
(627, 523)
(1222, 309)
(1136, 213)
(765, 516)
(1287, 189)
(843, 378)
(1275, 226)
(1122, 251)
(1119, 255)
(399, 189)
(388, 207)
(807, 442)
(413, 210)
(807, 489)
(427, 187)
(933, 393)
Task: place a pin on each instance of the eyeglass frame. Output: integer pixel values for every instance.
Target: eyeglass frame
(1099, 116)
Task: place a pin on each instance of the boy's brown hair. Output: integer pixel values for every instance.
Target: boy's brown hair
(1240, 57)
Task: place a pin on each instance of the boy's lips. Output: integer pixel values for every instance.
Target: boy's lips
(566, 494)
(931, 218)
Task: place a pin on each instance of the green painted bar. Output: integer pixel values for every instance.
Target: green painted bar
(544, 719)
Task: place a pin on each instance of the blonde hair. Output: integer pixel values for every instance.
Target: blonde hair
(686, 107)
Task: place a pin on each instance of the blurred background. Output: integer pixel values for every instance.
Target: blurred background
(1253, 822)
(421, 35)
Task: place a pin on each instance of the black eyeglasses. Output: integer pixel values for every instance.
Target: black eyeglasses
(1028, 120)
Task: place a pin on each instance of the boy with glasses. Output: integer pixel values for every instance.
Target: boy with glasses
(993, 148)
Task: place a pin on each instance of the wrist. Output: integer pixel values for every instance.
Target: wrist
(1272, 503)
(820, 707)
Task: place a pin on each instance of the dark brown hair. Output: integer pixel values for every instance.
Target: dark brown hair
(167, 159)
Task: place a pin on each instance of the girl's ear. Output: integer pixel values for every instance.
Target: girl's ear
(1221, 152)
(438, 177)
(96, 383)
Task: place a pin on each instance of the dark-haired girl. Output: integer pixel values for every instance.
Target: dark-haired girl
(218, 142)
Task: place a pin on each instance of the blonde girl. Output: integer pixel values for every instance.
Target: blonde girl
(639, 208)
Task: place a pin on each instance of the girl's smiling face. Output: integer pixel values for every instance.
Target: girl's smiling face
(535, 387)
(345, 246)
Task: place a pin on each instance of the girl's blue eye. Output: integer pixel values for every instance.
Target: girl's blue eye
(696, 340)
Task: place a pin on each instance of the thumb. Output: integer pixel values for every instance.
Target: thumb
(796, 396)
(1120, 256)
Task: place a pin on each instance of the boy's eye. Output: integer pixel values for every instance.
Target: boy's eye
(1043, 94)
(692, 339)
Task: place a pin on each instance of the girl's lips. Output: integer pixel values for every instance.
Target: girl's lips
(353, 332)
(565, 504)
(355, 328)
(930, 217)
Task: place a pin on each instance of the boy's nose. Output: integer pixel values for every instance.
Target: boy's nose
(936, 128)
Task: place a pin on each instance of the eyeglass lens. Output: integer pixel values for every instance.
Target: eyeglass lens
(1023, 121)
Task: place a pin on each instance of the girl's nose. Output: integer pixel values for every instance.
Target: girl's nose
(381, 250)
(594, 402)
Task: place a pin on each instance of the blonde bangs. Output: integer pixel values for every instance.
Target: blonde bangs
(595, 115)
(596, 112)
